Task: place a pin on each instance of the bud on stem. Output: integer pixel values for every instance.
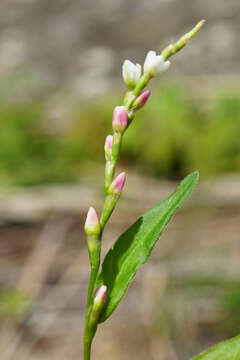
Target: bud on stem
(112, 196)
(117, 184)
(108, 147)
(93, 229)
(111, 164)
(120, 119)
(92, 225)
(141, 99)
(99, 301)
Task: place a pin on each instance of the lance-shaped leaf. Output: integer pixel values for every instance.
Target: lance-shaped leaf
(134, 246)
(227, 350)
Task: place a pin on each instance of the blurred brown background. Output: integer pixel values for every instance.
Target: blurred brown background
(60, 77)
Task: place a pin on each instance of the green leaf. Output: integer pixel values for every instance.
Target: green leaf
(134, 246)
(227, 350)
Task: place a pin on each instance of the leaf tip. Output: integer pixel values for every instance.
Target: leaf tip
(197, 175)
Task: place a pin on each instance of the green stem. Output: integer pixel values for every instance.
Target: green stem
(109, 173)
(172, 49)
(87, 348)
(108, 207)
(94, 250)
(142, 83)
(88, 334)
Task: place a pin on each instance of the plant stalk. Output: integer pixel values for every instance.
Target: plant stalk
(110, 200)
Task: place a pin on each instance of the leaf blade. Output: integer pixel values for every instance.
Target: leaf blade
(134, 246)
(227, 350)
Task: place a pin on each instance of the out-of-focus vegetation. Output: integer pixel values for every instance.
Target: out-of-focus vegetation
(177, 132)
(13, 303)
(28, 154)
(206, 307)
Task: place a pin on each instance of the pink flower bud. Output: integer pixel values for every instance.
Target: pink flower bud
(141, 99)
(118, 184)
(108, 147)
(99, 300)
(120, 119)
(100, 295)
(92, 224)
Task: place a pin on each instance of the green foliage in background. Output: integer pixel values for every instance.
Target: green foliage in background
(204, 308)
(173, 136)
(28, 154)
(170, 138)
(13, 303)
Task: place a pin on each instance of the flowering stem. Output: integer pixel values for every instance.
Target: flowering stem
(122, 117)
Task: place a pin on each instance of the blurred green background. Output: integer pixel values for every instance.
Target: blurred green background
(179, 130)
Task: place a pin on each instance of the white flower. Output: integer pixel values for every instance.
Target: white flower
(155, 64)
(131, 73)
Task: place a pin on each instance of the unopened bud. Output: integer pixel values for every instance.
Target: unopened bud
(92, 224)
(118, 184)
(98, 304)
(100, 295)
(108, 147)
(141, 99)
(120, 119)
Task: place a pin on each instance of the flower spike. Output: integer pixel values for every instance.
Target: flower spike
(102, 300)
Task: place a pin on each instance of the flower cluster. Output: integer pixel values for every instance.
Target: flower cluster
(122, 116)
(154, 65)
(132, 75)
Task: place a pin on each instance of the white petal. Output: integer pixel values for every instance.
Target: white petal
(161, 65)
(150, 60)
(125, 68)
(138, 69)
(128, 71)
(166, 65)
